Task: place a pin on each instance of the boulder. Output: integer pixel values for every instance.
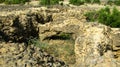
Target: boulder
(94, 48)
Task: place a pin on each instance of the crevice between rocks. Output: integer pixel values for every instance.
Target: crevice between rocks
(60, 36)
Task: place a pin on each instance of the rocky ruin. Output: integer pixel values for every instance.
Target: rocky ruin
(95, 45)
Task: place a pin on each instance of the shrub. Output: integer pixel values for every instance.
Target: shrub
(110, 18)
(15, 1)
(77, 2)
(115, 18)
(80, 2)
(96, 1)
(91, 16)
(105, 16)
(88, 1)
(110, 2)
(92, 1)
(49, 2)
(117, 2)
(1, 1)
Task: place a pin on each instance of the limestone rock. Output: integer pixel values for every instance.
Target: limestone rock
(94, 48)
(18, 55)
(67, 27)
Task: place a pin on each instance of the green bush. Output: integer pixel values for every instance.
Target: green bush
(110, 2)
(1, 1)
(88, 1)
(96, 1)
(105, 16)
(117, 2)
(80, 2)
(12, 1)
(77, 2)
(49, 2)
(115, 18)
(15, 1)
(92, 1)
(91, 16)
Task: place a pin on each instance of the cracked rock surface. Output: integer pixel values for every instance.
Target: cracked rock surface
(17, 55)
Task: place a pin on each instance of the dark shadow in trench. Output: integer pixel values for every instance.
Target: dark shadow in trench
(21, 34)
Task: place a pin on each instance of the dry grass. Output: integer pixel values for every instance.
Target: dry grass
(61, 49)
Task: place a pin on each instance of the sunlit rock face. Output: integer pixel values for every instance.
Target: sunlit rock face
(23, 23)
(19, 26)
(95, 48)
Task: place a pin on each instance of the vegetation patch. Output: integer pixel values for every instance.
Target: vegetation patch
(37, 43)
(116, 2)
(49, 2)
(54, 2)
(62, 51)
(107, 16)
(1, 1)
(80, 2)
(77, 2)
(14, 1)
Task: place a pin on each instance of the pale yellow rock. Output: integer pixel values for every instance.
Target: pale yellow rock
(3, 50)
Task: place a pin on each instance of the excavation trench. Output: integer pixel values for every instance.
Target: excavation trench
(25, 28)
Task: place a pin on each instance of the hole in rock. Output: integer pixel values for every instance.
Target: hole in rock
(61, 36)
(4, 37)
(42, 20)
